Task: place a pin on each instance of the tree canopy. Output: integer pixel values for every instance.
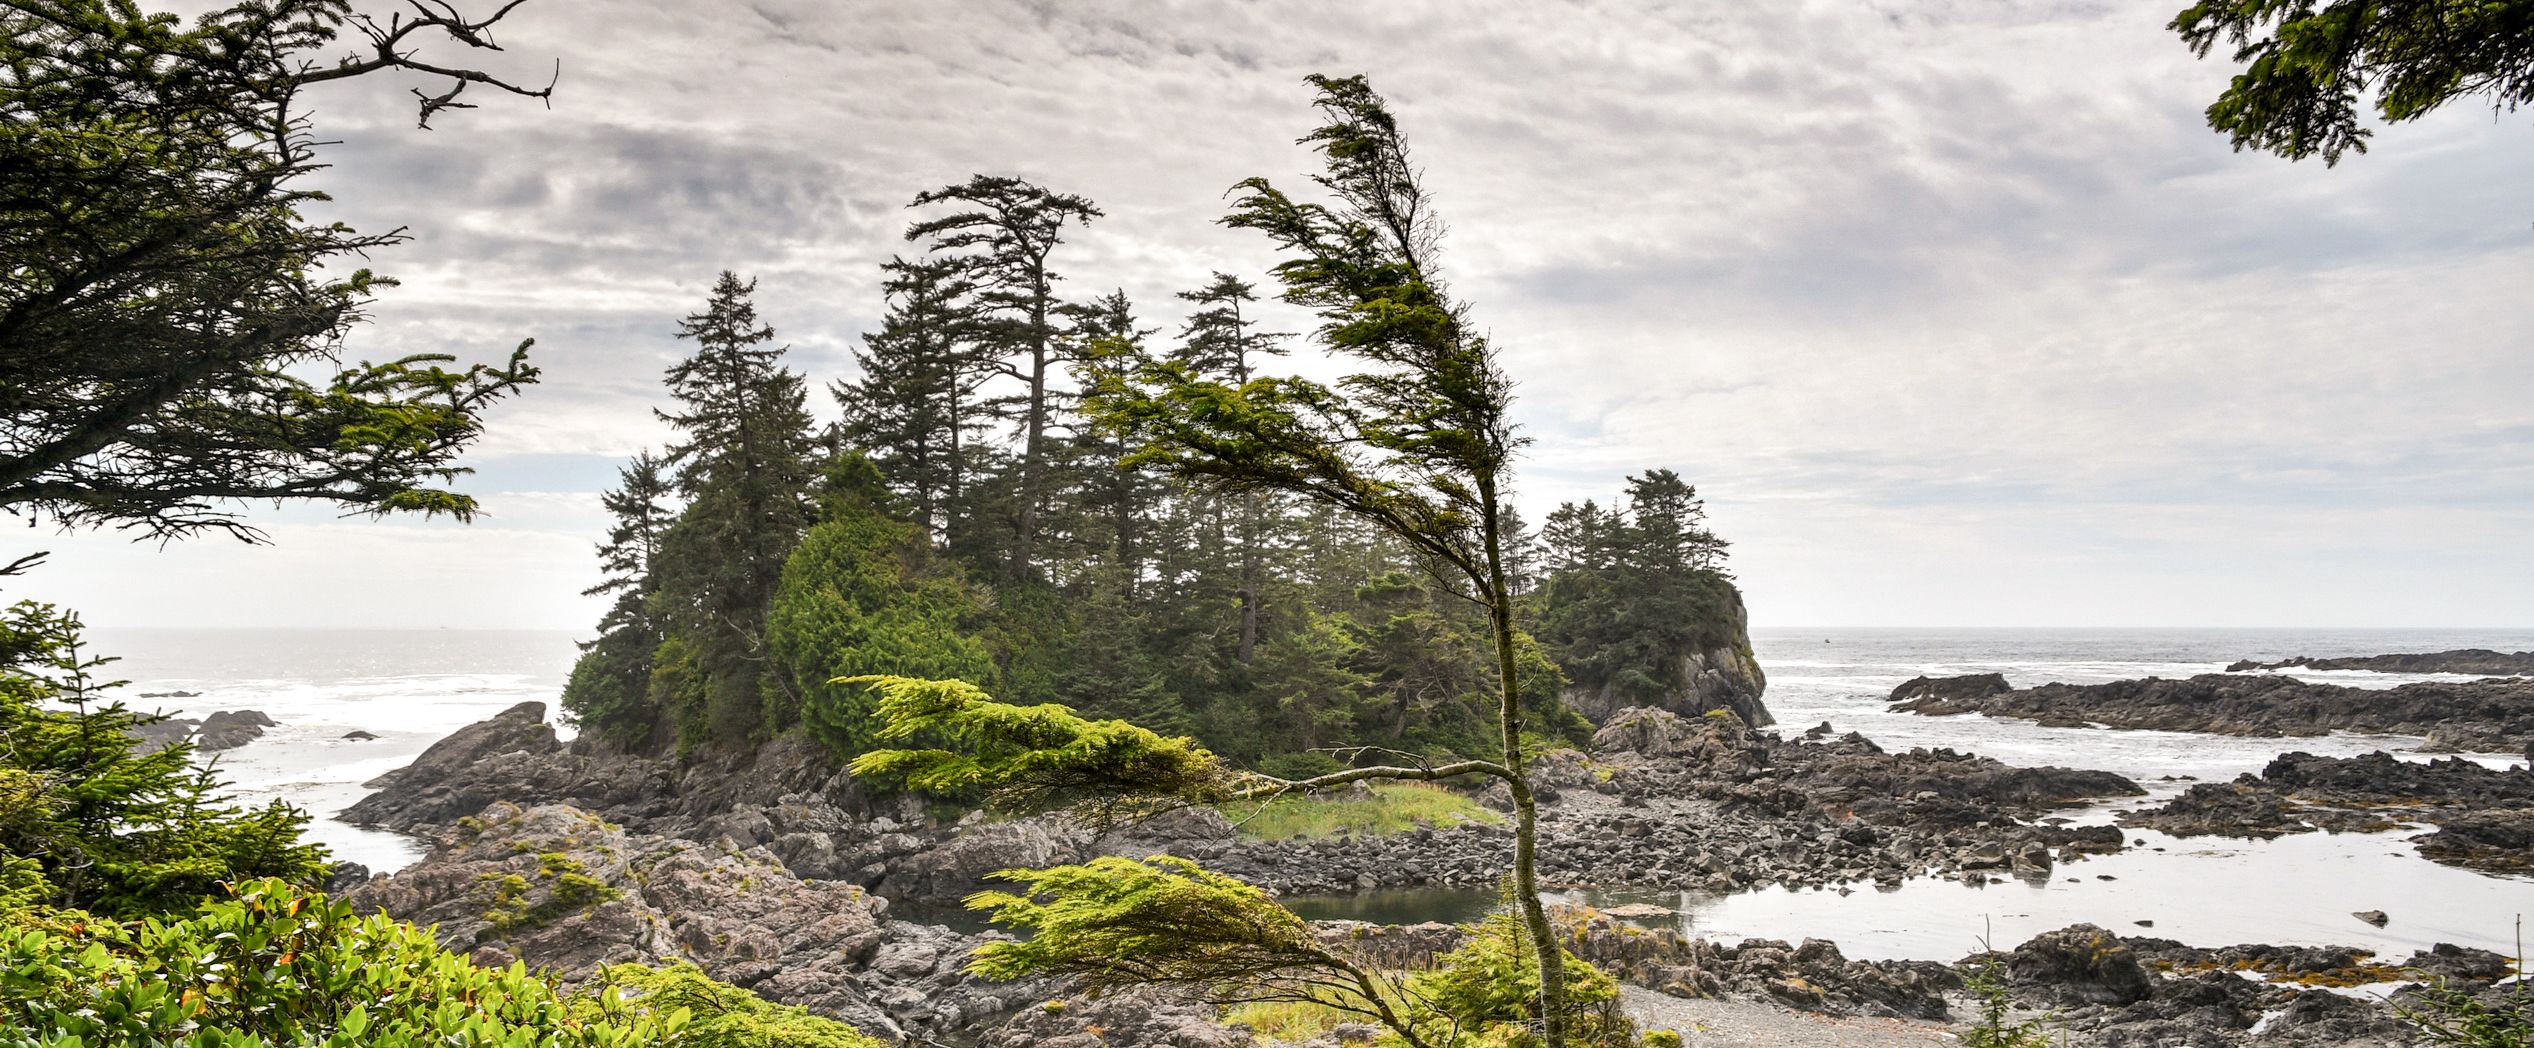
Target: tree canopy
(171, 321)
(2308, 67)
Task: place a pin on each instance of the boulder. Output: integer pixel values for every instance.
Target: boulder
(230, 729)
(2080, 964)
(1952, 689)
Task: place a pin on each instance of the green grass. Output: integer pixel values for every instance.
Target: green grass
(1288, 1022)
(1394, 807)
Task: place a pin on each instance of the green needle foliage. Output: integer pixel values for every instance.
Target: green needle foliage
(1166, 921)
(1033, 757)
(89, 820)
(2308, 67)
(163, 296)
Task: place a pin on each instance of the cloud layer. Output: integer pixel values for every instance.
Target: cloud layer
(1955, 311)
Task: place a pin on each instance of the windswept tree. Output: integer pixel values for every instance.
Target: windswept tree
(171, 321)
(743, 461)
(1002, 232)
(2309, 67)
(1418, 443)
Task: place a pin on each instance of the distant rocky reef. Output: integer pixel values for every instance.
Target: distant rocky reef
(2489, 716)
(2477, 662)
(225, 730)
(2483, 817)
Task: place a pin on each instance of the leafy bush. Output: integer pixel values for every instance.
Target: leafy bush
(273, 965)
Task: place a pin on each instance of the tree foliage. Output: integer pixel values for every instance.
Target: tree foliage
(165, 296)
(1632, 591)
(88, 819)
(2308, 66)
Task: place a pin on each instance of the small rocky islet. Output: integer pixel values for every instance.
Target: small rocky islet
(775, 871)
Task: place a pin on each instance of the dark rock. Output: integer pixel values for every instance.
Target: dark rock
(2374, 917)
(2498, 711)
(2485, 816)
(1952, 689)
(230, 729)
(2080, 964)
(2478, 662)
(345, 876)
(357, 735)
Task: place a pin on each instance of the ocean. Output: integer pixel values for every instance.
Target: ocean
(409, 688)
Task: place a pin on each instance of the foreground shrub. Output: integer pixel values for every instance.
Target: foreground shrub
(274, 966)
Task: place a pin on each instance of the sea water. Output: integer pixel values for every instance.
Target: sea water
(410, 688)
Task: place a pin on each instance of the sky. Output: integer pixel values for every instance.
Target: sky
(1955, 312)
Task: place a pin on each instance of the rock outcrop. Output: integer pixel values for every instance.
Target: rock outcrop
(2477, 662)
(1725, 676)
(563, 889)
(2486, 716)
(2484, 816)
(224, 730)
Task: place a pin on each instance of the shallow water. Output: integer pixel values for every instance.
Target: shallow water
(408, 687)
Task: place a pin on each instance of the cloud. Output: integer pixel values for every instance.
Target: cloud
(1925, 279)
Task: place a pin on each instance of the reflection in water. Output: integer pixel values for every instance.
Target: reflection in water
(2201, 891)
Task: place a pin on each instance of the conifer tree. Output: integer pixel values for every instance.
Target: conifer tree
(607, 694)
(1002, 232)
(1221, 340)
(1418, 443)
(744, 465)
(918, 407)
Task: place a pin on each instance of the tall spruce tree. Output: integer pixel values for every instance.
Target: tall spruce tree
(1117, 503)
(1002, 231)
(1221, 340)
(744, 462)
(919, 407)
(607, 694)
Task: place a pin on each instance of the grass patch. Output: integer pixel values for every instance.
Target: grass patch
(1392, 807)
(1288, 1022)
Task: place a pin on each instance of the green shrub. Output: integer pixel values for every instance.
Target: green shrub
(1486, 989)
(1986, 980)
(722, 1015)
(276, 966)
(91, 822)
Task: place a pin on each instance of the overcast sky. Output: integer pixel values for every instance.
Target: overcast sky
(1955, 312)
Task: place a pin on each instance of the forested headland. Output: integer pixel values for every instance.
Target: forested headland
(963, 518)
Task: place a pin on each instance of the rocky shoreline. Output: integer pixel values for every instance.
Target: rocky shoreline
(2484, 817)
(2476, 662)
(2488, 716)
(774, 871)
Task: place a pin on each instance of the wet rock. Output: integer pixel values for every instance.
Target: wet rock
(230, 729)
(1952, 689)
(2500, 711)
(2477, 662)
(2080, 964)
(2484, 816)
(2374, 917)
(357, 735)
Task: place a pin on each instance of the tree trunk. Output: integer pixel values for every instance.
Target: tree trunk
(1026, 529)
(1526, 832)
